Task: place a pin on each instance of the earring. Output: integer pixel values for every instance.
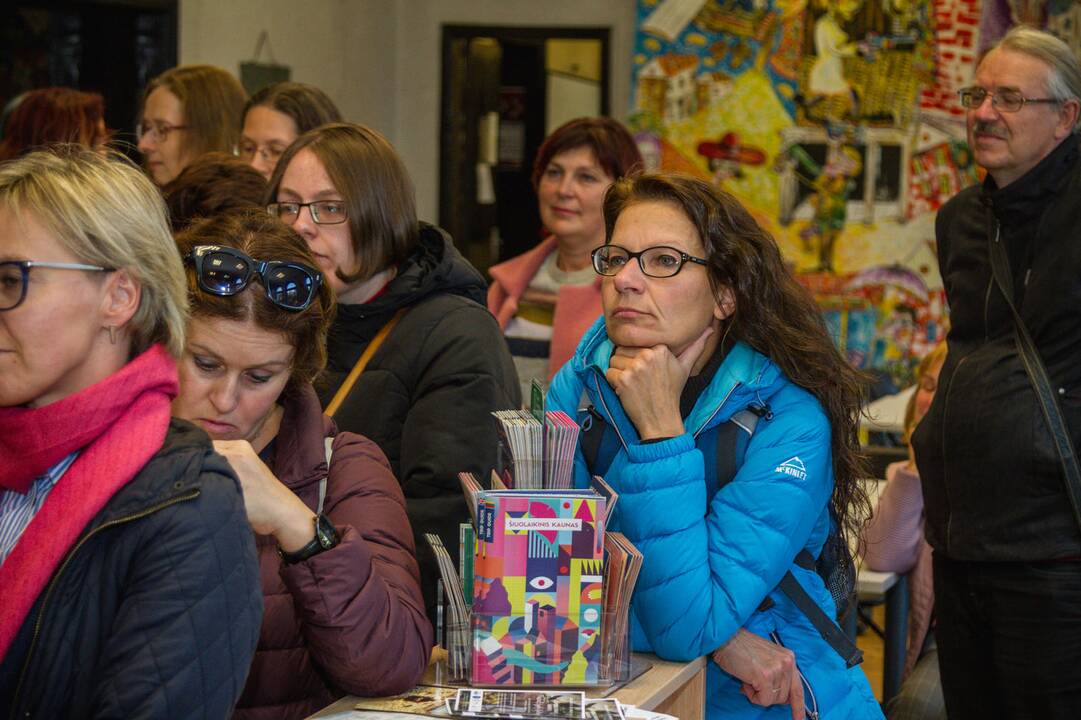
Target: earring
(112, 334)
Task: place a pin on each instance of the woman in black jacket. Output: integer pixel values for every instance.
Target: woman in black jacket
(441, 365)
(128, 571)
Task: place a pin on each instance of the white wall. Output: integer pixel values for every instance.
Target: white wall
(380, 59)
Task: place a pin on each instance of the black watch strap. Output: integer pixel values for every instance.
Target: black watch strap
(326, 537)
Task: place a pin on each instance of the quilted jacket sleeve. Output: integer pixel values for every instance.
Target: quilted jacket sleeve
(467, 373)
(361, 610)
(704, 574)
(189, 614)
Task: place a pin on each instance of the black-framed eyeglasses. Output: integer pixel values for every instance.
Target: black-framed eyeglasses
(15, 278)
(324, 212)
(159, 131)
(659, 261)
(225, 271)
(1006, 99)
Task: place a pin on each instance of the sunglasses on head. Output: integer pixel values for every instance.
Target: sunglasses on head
(225, 271)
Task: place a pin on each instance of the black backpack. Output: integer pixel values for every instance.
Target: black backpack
(834, 565)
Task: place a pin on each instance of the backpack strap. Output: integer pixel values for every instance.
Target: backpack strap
(828, 628)
(591, 437)
(728, 460)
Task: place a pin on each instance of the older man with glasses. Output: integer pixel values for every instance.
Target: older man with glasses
(996, 449)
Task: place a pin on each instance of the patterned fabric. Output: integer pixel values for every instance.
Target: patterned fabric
(18, 509)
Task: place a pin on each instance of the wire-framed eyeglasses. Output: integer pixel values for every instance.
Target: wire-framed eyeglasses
(156, 131)
(1005, 99)
(226, 271)
(15, 278)
(659, 261)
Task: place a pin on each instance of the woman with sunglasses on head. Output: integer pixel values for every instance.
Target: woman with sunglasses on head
(411, 319)
(275, 116)
(187, 111)
(707, 337)
(129, 575)
(546, 298)
(343, 607)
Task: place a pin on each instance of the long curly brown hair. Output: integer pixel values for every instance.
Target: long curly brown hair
(774, 314)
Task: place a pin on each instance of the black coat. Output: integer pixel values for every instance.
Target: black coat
(155, 611)
(426, 395)
(992, 482)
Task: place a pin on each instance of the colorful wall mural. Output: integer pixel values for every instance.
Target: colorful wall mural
(837, 123)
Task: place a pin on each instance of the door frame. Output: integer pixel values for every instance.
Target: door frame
(452, 32)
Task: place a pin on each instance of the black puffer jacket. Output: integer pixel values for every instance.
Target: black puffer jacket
(992, 482)
(426, 394)
(155, 612)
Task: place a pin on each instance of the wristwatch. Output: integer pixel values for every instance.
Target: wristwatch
(326, 537)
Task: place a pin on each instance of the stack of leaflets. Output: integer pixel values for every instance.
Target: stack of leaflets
(456, 624)
(622, 563)
(538, 587)
(560, 440)
(535, 454)
(521, 449)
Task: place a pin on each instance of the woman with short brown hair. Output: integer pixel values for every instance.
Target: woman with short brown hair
(546, 298)
(425, 394)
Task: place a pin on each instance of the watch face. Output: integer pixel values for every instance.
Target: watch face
(325, 532)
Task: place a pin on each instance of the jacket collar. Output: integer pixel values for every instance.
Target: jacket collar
(1024, 199)
(744, 377)
(300, 454)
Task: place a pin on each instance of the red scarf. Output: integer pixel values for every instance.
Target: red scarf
(118, 424)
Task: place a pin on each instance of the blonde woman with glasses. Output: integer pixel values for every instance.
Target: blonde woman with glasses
(129, 575)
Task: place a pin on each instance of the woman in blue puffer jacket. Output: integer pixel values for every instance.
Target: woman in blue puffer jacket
(703, 321)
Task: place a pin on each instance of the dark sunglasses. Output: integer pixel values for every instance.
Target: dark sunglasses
(226, 271)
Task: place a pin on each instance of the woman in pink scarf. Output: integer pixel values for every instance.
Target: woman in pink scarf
(129, 576)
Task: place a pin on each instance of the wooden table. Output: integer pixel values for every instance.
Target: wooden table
(677, 689)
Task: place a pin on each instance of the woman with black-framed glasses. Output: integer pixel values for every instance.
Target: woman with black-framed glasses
(428, 360)
(124, 550)
(343, 609)
(727, 423)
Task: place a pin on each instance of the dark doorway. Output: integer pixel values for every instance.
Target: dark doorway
(112, 47)
(503, 90)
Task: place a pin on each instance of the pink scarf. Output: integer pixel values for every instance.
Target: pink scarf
(118, 424)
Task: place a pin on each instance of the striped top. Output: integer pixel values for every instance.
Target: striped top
(18, 509)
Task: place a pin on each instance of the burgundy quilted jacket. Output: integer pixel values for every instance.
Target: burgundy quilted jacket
(351, 619)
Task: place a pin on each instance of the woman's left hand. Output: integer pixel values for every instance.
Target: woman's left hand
(768, 671)
(649, 382)
(272, 508)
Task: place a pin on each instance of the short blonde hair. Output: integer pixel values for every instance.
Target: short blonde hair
(106, 212)
(930, 361)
